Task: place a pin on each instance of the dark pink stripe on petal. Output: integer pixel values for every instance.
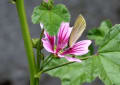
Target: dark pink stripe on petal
(63, 36)
(48, 42)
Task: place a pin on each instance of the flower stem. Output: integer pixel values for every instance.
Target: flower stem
(47, 60)
(38, 74)
(63, 65)
(27, 39)
(58, 66)
(40, 57)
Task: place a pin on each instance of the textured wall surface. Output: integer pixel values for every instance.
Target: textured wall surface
(13, 61)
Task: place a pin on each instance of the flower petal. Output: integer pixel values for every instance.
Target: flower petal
(71, 59)
(61, 56)
(48, 42)
(41, 25)
(80, 48)
(63, 36)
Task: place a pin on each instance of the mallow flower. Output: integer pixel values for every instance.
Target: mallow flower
(61, 48)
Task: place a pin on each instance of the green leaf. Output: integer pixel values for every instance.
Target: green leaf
(105, 64)
(110, 55)
(75, 73)
(51, 18)
(99, 33)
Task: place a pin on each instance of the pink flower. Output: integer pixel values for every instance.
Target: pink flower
(60, 50)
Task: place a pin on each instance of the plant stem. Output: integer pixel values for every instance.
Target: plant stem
(27, 39)
(63, 65)
(39, 53)
(38, 74)
(84, 58)
(58, 66)
(47, 60)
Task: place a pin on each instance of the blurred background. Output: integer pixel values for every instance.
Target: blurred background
(13, 60)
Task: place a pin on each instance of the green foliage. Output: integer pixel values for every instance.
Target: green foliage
(75, 73)
(51, 17)
(109, 54)
(99, 33)
(105, 64)
(34, 42)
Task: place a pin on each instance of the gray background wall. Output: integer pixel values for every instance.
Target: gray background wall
(13, 61)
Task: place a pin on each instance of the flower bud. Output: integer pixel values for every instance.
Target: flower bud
(46, 1)
(41, 25)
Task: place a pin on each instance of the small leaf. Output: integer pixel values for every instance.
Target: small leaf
(51, 18)
(34, 42)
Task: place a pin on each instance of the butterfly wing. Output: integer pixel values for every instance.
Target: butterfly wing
(78, 28)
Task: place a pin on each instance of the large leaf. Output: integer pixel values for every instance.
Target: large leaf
(75, 73)
(105, 64)
(110, 55)
(51, 18)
